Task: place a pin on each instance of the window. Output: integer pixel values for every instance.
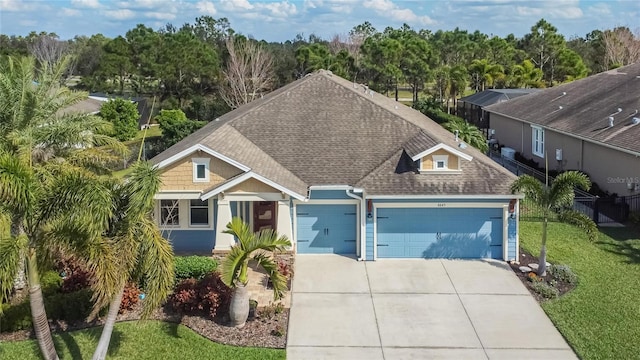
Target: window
(169, 213)
(440, 162)
(200, 169)
(537, 141)
(199, 212)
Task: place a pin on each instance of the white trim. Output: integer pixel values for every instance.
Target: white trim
(330, 187)
(505, 233)
(247, 176)
(179, 195)
(246, 196)
(440, 158)
(446, 197)
(583, 138)
(207, 169)
(441, 171)
(517, 259)
(202, 148)
(443, 147)
(537, 130)
(443, 205)
(328, 202)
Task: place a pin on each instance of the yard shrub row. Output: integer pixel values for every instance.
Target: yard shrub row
(207, 296)
(196, 267)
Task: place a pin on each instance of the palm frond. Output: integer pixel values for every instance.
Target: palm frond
(240, 230)
(561, 193)
(580, 220)
(532, 188)
(231, 266)
(12, 252)
(278, 280)
(143, 183)
(16, 184)
(108, 275)
(158, 269)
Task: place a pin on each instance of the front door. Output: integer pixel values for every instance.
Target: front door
(264, 215)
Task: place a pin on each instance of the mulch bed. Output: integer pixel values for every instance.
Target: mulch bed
(525, 260)
(265, 329)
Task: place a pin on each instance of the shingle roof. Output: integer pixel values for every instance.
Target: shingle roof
(324, 130)
(494, 96)
(86, 106)
(582, 107)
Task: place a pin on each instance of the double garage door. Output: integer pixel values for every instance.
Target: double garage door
(459, 233)
(469, 233)
(325, 229)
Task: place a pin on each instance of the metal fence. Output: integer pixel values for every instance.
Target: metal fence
(601, 210)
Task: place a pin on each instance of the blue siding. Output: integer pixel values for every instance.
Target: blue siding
(512, 234)
(329, 195)
(191, 241)
(439, 233)
(326, 229)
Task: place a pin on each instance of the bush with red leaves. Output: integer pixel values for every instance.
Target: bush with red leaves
(130, 298)
(76, 275)
(208, 296)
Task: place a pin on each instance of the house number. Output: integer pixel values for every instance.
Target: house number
(442, 205)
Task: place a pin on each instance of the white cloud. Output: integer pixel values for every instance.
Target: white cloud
(236, 5)
(206, 7)
(390, 9)
(16, 5)
(600, 9)
(120, 14)
(279, 9)
(91, 4)
(160, 15)
(70, 12)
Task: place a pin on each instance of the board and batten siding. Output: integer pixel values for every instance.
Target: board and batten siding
(179, 175)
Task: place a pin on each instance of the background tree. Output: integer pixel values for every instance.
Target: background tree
(47, 48)
(175, 126)
(467, 133)
(570, 66)
(621, 47)
(123, 114)
(484, 74)
(116, 64)
(543, 44)
(557, 198)
(248, 73)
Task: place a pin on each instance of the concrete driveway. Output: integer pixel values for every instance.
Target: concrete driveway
(415, 309)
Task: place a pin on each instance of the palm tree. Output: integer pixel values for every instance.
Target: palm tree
(468, 133)
(255, 247)
(484, 73)
(138, 248)
(557, 198)
(526, 75)
(39, 200)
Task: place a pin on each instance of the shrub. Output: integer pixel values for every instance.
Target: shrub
(51, 282)
(15, 317)
(130, 298)
(75, 275)
(634, 217)
(545, 290)
(271, 310)
(563, 273)
(533, 277)
(194, 267)
(205, 296)
(278, 331)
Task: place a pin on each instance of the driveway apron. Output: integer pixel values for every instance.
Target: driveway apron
(415, 309)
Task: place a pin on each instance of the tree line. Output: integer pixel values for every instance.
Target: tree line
(206, 68)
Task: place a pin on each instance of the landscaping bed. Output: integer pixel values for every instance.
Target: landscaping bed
(529, 278)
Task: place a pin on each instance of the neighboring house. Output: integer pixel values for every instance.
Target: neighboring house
(143, 108)
(338, 169)
(591, 124)
(86, 106)
(471, 108)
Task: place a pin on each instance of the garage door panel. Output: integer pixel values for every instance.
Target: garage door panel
(439, 232)
(326, 229)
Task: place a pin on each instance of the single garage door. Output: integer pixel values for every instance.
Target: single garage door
(326, 229)
(439, 233)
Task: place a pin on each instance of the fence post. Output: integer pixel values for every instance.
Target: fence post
(596, 211)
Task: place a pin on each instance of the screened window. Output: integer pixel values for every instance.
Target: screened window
(200, 169)
(169, 213)
(199, 212)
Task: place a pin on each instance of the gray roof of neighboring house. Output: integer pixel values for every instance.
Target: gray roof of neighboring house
(582, 107)
(324, 130)
(86, 106)
(494, 96)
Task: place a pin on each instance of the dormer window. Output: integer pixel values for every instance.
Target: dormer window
(200, 169)
(440, 162)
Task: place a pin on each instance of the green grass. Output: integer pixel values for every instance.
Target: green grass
(600, 317)
(153, 131)
(139, 340)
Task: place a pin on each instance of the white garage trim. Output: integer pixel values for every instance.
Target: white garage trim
(327, 202)
(443, 205)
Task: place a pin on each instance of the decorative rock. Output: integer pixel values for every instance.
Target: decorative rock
(533, 266)
(524, 269)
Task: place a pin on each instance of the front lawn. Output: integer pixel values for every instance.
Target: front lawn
(600, 317)
(139, 340)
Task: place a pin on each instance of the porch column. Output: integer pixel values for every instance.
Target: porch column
(284, 225)
(223, 241)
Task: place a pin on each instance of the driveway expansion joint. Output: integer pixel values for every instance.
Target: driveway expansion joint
(375, 315)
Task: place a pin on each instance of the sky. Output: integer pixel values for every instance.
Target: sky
(281, 20)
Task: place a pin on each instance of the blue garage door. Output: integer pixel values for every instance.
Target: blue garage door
(326, 229)
(439, 233)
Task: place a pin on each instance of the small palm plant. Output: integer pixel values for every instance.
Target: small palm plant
(468, 133)
(256, 247)
(557, 198)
